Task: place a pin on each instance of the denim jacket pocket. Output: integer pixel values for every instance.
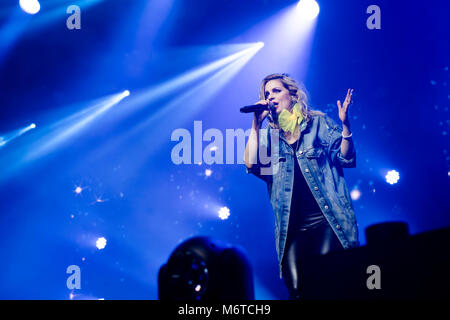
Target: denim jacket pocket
(314, 153)
(315, 160)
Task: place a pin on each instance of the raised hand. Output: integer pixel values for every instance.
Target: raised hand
(343, 110)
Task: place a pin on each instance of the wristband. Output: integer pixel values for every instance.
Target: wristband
(347, 137)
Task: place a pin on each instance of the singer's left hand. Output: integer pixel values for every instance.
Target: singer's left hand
(343, 110)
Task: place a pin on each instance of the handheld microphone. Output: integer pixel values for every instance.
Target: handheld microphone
(256, 108)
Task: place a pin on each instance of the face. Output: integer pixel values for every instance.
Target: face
(276, 93)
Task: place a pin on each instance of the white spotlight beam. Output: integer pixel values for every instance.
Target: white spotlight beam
(195, 97)
(192, 101)
(308, 9)
(144, 97)
(207, 88)
(66, 128)
(48, 138)
(15, 134)
(287, 40)
(30, 6)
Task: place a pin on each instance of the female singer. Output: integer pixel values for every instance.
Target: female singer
(307, 152)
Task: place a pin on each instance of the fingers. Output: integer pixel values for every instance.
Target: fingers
(263, 102)
(261, 115)
(349, 94)
(348, 99)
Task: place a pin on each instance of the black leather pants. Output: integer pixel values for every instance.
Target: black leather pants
(314, 238)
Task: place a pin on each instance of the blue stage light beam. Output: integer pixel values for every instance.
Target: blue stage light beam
(5, 139)
(52, 136)
(167, 119)
(208, 88)
(144, 97)
(195, 97)
(152, 23)
(225, 68)
(13, 28)
(288, 42)
(66, 128)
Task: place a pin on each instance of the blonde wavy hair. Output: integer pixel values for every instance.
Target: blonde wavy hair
(296, 90)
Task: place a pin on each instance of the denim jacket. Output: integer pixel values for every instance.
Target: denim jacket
(321, 162)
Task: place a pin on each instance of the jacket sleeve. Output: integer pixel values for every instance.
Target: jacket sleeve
(334, 139)
(262, 169)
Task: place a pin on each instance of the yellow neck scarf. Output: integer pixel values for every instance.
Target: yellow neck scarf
(289, 121)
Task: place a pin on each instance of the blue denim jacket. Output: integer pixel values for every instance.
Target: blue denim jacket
(321, 162)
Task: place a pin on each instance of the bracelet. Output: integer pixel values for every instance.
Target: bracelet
(347, 137)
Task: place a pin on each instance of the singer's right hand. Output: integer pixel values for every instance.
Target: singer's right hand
(260, 116)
